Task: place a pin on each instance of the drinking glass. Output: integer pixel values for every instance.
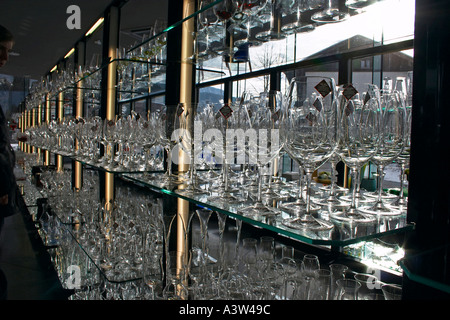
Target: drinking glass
(337, 272)
(185, 142)
(348, 289)
(392, 291)
(298, 26)
(392, 141)
(403, 161)
(204, 215)
(358, 139)
(249, 253)
(331, 200)
(207, 27)
(330, 14)
(369, 283)
(225, 11)
(223, 121)
(264, 120)
(221, 218)
(322, 284)
(311, 264)
(251, 10)
(308, 135)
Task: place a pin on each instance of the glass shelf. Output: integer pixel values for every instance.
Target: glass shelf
(90, 164)
(428, 268)
(342, 234)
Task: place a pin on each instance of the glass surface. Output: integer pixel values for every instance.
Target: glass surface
(342, 234)
(379, 23)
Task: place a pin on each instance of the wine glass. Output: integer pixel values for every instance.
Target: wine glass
(310, 264)
(251, 9)
(204, 216)
(207, 25)
(359, 137)
(264, 120)
(164, 139)
(392, 140)
(403, 161)
(308, 136)
(187, 146)
(224, 119)
(298, 26)
(330, 13)
(225, 11)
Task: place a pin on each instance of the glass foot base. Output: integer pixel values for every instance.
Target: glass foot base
(381, 210)
(307, 222)
(352, 216)
(259, 210)
(297, 207)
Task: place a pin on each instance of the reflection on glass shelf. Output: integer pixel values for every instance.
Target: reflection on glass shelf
(375, 25)
(377, 254)
(429, 268)
(341, 234)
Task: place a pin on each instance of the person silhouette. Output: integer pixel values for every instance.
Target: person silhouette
(7, 157)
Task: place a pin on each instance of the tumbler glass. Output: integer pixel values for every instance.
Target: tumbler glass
(348, 289)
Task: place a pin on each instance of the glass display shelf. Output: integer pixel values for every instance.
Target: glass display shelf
(341, 234)
(94, 165)
(428, 268)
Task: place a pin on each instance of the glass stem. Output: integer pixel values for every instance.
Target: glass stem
(309, 173)
(169, 161)
(333, 179)
(355, 188)
(380, 179)
(259, 183)
(300, 183)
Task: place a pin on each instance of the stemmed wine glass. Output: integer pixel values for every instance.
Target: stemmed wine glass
(224, 120)
(225, 11)
(298, 26)
(308, 136)
(403, 161)
(185, 142)
(167, 143)
(392, 141)
(108, 140)
(207, 24)
(251, 10)
(358, 139)
(330, 13)
(265, 120)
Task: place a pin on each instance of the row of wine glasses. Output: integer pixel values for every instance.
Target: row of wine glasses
(124, 238)
(254, 269)
(129, 143)
(315, 122)
(253, 22)
(249, 269)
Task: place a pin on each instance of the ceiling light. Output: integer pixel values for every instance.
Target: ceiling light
(54, 68)
(69, 53)
(94, 27)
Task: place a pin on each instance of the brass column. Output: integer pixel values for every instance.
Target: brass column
(47, 120)
(60, 117)
(112, 29)
(186, 83)
(78, 166)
